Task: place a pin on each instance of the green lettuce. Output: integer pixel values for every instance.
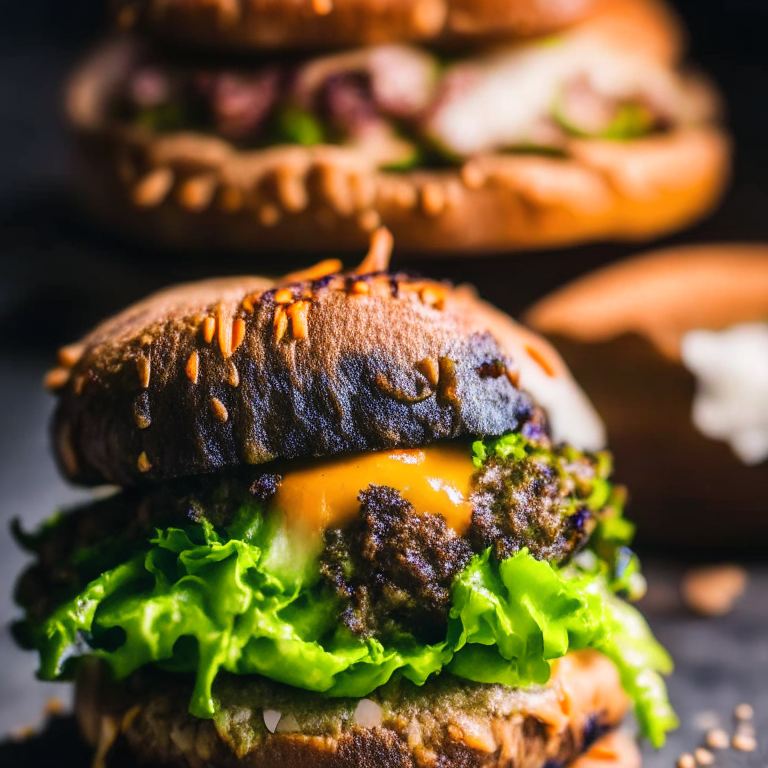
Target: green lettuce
(198, 602)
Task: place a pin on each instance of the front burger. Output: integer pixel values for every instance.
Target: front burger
(365, 520)
(594, 133)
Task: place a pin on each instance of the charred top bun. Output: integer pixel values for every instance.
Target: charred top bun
(248, 24)
(246, 370)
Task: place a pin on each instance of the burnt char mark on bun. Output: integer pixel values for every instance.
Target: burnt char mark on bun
(241, 371)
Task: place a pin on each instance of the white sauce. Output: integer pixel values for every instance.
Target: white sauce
(572, 417)
(731, 401)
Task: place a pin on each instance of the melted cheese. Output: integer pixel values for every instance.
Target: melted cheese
(323, 494)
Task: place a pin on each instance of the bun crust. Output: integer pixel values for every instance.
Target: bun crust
(725, 284)
(457, 724)
(272, 24)
(242, 371)
(190, 191)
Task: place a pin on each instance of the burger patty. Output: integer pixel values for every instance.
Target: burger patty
(392, 568)
(446, 722)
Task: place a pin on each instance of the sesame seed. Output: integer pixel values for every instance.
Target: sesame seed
(379, 253)
(70, 355)
(472, 176)
(717, 738)
(143, 462)
(433, 296)
(427, 17)
(322, 7)
(432, 199)
(209, 329)
(238, 333)
(744, 743)
(142, 421)
(369, 220)
(141, 413)
(744, 712)
(280, 322)
(686, 761)
(56, 379)
(231, 199)
(233, 376)
(247, 304)
(513, 375)
(315, 272)
(405, 195)
(153, 188)
(54, 707)
(704, 756)
(144, 368)
(539, 358)
(196, 193)
(193, 367)
(284, 296)
(269, 215)
(297, 312)
(224, 324)
(219, 409)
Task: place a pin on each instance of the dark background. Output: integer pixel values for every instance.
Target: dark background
(58, 276)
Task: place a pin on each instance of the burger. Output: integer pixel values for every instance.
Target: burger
(363, 519)
(671, 348)
(592, 131)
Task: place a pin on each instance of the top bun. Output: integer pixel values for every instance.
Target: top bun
(244, 370)
(252, 24)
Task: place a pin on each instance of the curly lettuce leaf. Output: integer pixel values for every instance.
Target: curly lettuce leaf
(528, 614)
(199, 602)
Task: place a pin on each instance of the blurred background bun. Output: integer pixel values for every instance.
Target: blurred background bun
(590, 132)
(672, 347)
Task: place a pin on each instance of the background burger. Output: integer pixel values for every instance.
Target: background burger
(592, 131)
(365, 519)
(671, 346)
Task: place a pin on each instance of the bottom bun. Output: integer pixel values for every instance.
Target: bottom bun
(446, 722)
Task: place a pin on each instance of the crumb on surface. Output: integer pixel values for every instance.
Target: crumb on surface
(713, 590)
